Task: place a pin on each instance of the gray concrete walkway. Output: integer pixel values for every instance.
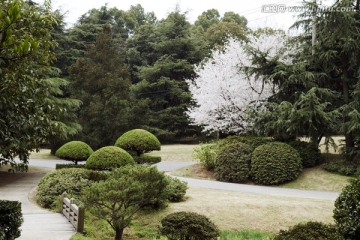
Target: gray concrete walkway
(39, 224)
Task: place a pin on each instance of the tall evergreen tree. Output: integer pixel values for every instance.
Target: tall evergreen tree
(101, 81)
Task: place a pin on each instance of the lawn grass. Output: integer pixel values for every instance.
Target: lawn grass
(43, 154)
(245, 235)
(175, 153)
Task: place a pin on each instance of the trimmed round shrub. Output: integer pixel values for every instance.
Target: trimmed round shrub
(347, 210)
(188, 225)
(54, 184)
(232, 162)
(147, 159)
(309, 231)
(309, 154)
(176, 189)
(74, 151)
(107, 158)
(275, 163)
(138, 141)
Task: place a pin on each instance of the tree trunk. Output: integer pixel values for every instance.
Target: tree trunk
(349, 140)
(118, 233)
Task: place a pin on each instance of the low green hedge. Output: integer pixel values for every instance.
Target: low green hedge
(10, 219)
(107, 158)
(145, 159)
(74, 151)
(62, 166)
(309, 231)
(188, 225)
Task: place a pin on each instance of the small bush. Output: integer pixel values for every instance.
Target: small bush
(62, 166)
(309, 154)
(233, 162)
(74, 151)
(10, 219)
(54, 184)
(188, 225)
(145, 159)
(138, 141)
(309, 231)
(176, 189)
(107, 158)
(206, 154)
(347, 211)
(275, 163)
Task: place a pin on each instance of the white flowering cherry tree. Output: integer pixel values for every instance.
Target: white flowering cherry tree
(224, 93)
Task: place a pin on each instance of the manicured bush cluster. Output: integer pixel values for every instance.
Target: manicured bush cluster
(138, 141)
(343, 167)
(206, 154)
(54, 184)
(74, 151)
(309, 154)
(176, 189)
(309, 231)
(232, 162)
(107, 158)
(188, 225)
(10, 219)
(347, 211)
(275, 163)
(146, 159)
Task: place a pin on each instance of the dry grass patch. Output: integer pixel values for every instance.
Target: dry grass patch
(319, 180)
(43, 154)
(239, 211)
(175, 152)
(197, 171)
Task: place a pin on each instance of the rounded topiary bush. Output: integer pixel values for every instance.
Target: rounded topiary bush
(309, 154)
(309, 231)
(138, 141)
(74, 151)
(188, 225)
(232, 162)
(54, 184)
(347, 210)
(275, 163)
(107, 158)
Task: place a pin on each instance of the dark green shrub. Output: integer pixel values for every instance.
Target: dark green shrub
(74, 151)
(233, 162)
(347, 211)
(309, 154)
(253, 141)
(309, 231)
(147, 159)
(10, 219)
(62, 166)
(138, 141)
(206, 154)
(188, 225)
(342, 166)
(54, 184)
(275, 163)
(176, 189)
(107, 158)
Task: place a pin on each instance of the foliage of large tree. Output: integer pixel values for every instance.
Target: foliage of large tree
(101, 81)
(170, 53)
(224, 92)
(26, 108)
(123, 194)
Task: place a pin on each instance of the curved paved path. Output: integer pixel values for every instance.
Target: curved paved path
(235, 187)
(39, 224)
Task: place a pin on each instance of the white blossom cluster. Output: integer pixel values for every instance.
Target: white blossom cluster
(224, 92)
